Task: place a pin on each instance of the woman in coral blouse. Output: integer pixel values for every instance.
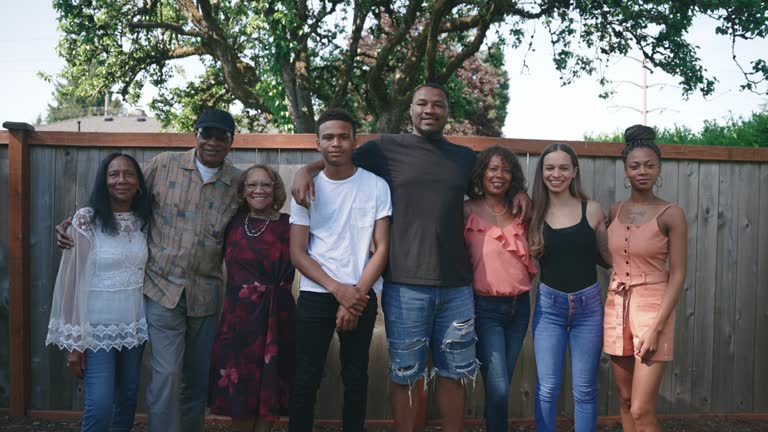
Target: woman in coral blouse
(498, 248)
(644, 235)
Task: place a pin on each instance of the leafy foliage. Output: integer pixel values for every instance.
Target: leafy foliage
(738, 131)
(69, 103)
(283, 60)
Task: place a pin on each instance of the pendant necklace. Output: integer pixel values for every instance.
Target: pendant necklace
(256, 233)
(494, 213)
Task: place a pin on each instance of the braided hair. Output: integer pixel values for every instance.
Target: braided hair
(639, 136)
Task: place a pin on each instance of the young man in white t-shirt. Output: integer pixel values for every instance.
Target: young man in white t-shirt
(330, 246)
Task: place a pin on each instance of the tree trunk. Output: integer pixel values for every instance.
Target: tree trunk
(392, 119)
(299, 99)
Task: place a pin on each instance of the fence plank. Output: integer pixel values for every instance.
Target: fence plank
(761, 321)
(608, 383)
(41, 266)
(727, 250)
(526, 379)
(243, 158)
(587, 174)
(604, 190)
(64, 198)
(622, 189)
(4, 329)
(706, 271)
(519, 395)
(744, 333)
(668, 191)
(87, 165)
(290, 163)
(682, 366)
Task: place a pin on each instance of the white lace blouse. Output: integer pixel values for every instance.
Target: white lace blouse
(98, 300)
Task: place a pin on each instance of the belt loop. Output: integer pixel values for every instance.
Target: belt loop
(644, 279)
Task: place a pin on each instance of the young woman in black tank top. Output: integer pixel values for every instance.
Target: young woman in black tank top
(568, 236)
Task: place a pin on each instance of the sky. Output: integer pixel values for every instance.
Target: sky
(540, 107)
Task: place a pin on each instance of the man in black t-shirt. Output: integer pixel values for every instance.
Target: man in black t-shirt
(427, 297)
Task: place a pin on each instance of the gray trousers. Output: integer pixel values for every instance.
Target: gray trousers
(181, 355)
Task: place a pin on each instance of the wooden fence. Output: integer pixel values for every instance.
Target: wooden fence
(721, 352)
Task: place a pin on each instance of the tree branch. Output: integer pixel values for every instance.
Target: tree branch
(460, 24)
(189, 9)
(342, 83)
(375, 83)
(438, 13)
(239, 76)
(182, 52)
(175, 28)
(471, 49)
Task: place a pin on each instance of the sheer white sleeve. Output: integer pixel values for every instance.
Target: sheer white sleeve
(68, 314)
(97, 300)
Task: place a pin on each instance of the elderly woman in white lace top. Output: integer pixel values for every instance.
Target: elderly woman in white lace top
(97, 314)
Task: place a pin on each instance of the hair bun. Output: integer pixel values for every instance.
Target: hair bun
(639, 132)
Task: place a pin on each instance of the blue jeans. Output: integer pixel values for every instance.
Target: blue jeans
(418, 317)
(111, 381)
(561, 320)
(501, 323)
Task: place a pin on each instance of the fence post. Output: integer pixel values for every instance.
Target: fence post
(18, 265)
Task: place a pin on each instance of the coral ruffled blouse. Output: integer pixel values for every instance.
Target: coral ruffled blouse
(500, 261)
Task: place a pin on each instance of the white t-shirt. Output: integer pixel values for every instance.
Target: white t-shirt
(206, 172)
(341, 221)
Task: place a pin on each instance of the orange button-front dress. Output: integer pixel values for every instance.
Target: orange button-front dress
(638, 284)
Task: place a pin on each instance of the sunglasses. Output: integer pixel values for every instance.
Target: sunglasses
(219, 134)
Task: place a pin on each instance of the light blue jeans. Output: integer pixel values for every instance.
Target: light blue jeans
(111, 381)
(561, 320)
(501, 324)
(420, 317)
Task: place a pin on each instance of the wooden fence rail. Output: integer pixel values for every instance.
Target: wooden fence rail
(721, 354)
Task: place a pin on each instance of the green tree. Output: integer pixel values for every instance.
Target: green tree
(734, 131)
(70, 102)
(285, 59)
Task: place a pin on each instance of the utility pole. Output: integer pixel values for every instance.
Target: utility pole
(643, 86)
(644, 91)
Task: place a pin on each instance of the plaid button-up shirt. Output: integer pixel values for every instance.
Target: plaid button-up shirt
(187, 235)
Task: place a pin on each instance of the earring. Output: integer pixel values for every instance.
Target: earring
(626, 183)
(139, 192)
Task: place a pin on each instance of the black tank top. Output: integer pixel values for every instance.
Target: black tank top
(570, 256)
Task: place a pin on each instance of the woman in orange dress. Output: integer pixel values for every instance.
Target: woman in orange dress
(645, 233)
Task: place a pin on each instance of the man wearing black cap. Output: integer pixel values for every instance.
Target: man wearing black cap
(195, 195)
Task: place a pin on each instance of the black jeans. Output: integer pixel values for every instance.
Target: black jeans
(315, 324)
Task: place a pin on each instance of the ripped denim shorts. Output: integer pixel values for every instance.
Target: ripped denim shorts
(418, 317)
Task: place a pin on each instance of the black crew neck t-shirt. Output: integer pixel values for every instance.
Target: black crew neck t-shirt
(428, 180)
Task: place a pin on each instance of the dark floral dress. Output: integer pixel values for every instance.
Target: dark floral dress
(253, 358)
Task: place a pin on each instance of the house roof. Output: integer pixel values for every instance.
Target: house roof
(127, 123)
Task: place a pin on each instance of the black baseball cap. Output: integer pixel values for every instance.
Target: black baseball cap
(216, 118)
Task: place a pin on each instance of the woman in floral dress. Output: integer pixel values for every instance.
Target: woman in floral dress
(253, 356)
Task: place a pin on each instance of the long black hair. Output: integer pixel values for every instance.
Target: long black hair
(100, 202)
